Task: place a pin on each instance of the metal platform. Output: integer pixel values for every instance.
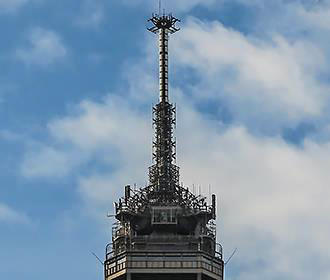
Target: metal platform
(135, 263)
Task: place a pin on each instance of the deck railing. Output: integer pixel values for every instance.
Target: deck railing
(163, 260)
(165, 244)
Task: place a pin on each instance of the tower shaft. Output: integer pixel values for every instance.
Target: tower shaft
(163, 65)
(164, 175)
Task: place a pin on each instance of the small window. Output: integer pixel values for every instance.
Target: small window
(164, 216)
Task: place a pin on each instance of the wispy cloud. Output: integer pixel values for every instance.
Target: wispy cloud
(44, 47)
(46, 161)
(171, 5)
(275, 81)
(94, 131)
(9, 215)
(10, 136)
(6, 90)
(269, 192)
(92, 14)
(11, 5)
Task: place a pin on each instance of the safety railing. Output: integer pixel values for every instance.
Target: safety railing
(163, 261)
(143, 244)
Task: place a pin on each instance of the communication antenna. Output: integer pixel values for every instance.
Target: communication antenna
(160, 7)
(226, 262)
(164, 174)
(97, 258)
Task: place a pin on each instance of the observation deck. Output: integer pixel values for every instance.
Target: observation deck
(161, 258)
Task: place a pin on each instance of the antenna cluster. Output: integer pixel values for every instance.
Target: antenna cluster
(164, 21)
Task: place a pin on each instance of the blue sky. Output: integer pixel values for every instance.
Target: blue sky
(251, 82)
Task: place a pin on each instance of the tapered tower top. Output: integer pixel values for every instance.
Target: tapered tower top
(164, 207)
(163, 25)
(163, 230)
(164, 175)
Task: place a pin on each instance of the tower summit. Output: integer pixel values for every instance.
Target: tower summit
(163, 175)
(163, 231)
(163, 25)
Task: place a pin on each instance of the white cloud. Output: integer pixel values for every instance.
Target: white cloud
(11, 5)
(46, 161)
(185, 5)
(95, 126)
(10, 136)
(9, 215)
(171, 5)
(273, 197)
(263, 81)
(97, 130)
(318, 18)
(92, 14)
(45, 47)
(6, 90)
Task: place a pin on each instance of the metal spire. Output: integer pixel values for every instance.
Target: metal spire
(164, 175)
(164, 216)
(163, 25)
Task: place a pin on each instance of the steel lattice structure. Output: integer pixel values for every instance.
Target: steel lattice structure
(164, 175)
(164, 218)
(164, 187)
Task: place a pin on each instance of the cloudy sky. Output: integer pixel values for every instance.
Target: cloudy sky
(251, 80)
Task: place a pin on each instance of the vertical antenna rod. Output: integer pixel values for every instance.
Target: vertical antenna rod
(164, 175)
(163, 25)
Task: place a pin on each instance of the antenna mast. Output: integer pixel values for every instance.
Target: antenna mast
(163, 25)
(164, 175)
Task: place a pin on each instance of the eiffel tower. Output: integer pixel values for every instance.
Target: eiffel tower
(164, 231)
